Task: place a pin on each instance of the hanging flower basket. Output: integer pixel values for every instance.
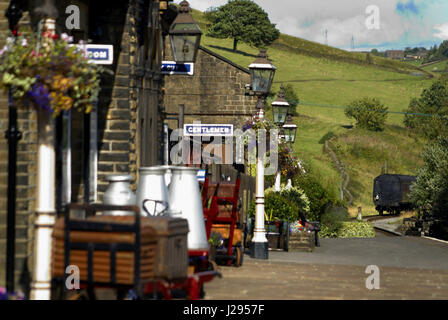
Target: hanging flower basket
(46, 71)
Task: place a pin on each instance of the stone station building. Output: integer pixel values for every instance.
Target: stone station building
(214, 94)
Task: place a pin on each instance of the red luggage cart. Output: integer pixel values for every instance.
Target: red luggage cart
(216, 219)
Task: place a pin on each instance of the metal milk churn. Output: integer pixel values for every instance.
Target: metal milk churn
(185, 198)
(168, 174)
(152, 193)
(119, 193)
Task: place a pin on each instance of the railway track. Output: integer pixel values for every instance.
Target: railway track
(380, 230)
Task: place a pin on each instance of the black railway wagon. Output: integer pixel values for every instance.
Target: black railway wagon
(391, 193)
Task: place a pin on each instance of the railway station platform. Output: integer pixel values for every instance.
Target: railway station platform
(410, 268)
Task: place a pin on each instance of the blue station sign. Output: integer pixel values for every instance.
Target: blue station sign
(98, 53)
(171, 67)
(223, 130)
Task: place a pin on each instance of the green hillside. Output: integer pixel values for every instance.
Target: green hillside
(326, 79)
(436, 67)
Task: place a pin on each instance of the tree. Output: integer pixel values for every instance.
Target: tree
(369, 113)
(426, 111)
(242, 20)
(430, 192)
(291, 97)
(443, 49)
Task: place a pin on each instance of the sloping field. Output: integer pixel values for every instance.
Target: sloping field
(326, 79)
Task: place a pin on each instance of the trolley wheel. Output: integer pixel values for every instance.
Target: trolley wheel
(238, 256)
(212, 266)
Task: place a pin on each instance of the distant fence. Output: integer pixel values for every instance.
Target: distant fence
(341, 168)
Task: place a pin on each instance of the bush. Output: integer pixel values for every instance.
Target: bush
(336, 224)
(433, 100)
(369, 113)
(430, 192)
(277, 207)
(295, 196)
(317, 196)
(349, 230)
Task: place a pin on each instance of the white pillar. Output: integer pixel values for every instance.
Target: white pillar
(45, 207)
(46, 200)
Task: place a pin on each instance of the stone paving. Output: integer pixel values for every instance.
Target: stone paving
(410, 268)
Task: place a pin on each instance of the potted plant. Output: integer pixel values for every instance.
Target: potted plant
(215, 241)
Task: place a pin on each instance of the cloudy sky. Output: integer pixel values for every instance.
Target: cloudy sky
(402, 23)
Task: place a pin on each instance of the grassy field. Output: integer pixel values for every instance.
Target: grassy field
(440, 66)
(326, 79)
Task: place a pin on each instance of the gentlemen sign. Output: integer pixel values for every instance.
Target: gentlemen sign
(223, 130)
(171, 67)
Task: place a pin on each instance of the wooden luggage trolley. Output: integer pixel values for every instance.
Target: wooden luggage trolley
(147, 255)
(221, 215)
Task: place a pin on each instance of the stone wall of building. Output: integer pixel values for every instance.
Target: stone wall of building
(216, 93)
(117, 126)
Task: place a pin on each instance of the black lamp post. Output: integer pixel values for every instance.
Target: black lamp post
(280, 108)
(290, 130)
(185, 35)
(13, 14)
(262, 73)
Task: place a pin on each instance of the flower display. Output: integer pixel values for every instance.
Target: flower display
(48, 72)
(4, 295)
(289, 165)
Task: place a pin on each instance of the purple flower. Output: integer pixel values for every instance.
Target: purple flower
(14, 296)
(40, 95)
(247, 126)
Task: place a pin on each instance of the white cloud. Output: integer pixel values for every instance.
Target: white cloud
(346, 18)
(442, 31)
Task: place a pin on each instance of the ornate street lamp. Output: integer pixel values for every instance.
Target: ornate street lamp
(280, 108)
(185, 35)
(290, 130)
(262, 73)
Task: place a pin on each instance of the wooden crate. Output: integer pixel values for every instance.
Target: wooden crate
(124, 260)
(302, 241)
(172, 247)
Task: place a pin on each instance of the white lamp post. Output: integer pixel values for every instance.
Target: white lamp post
(262, 73)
